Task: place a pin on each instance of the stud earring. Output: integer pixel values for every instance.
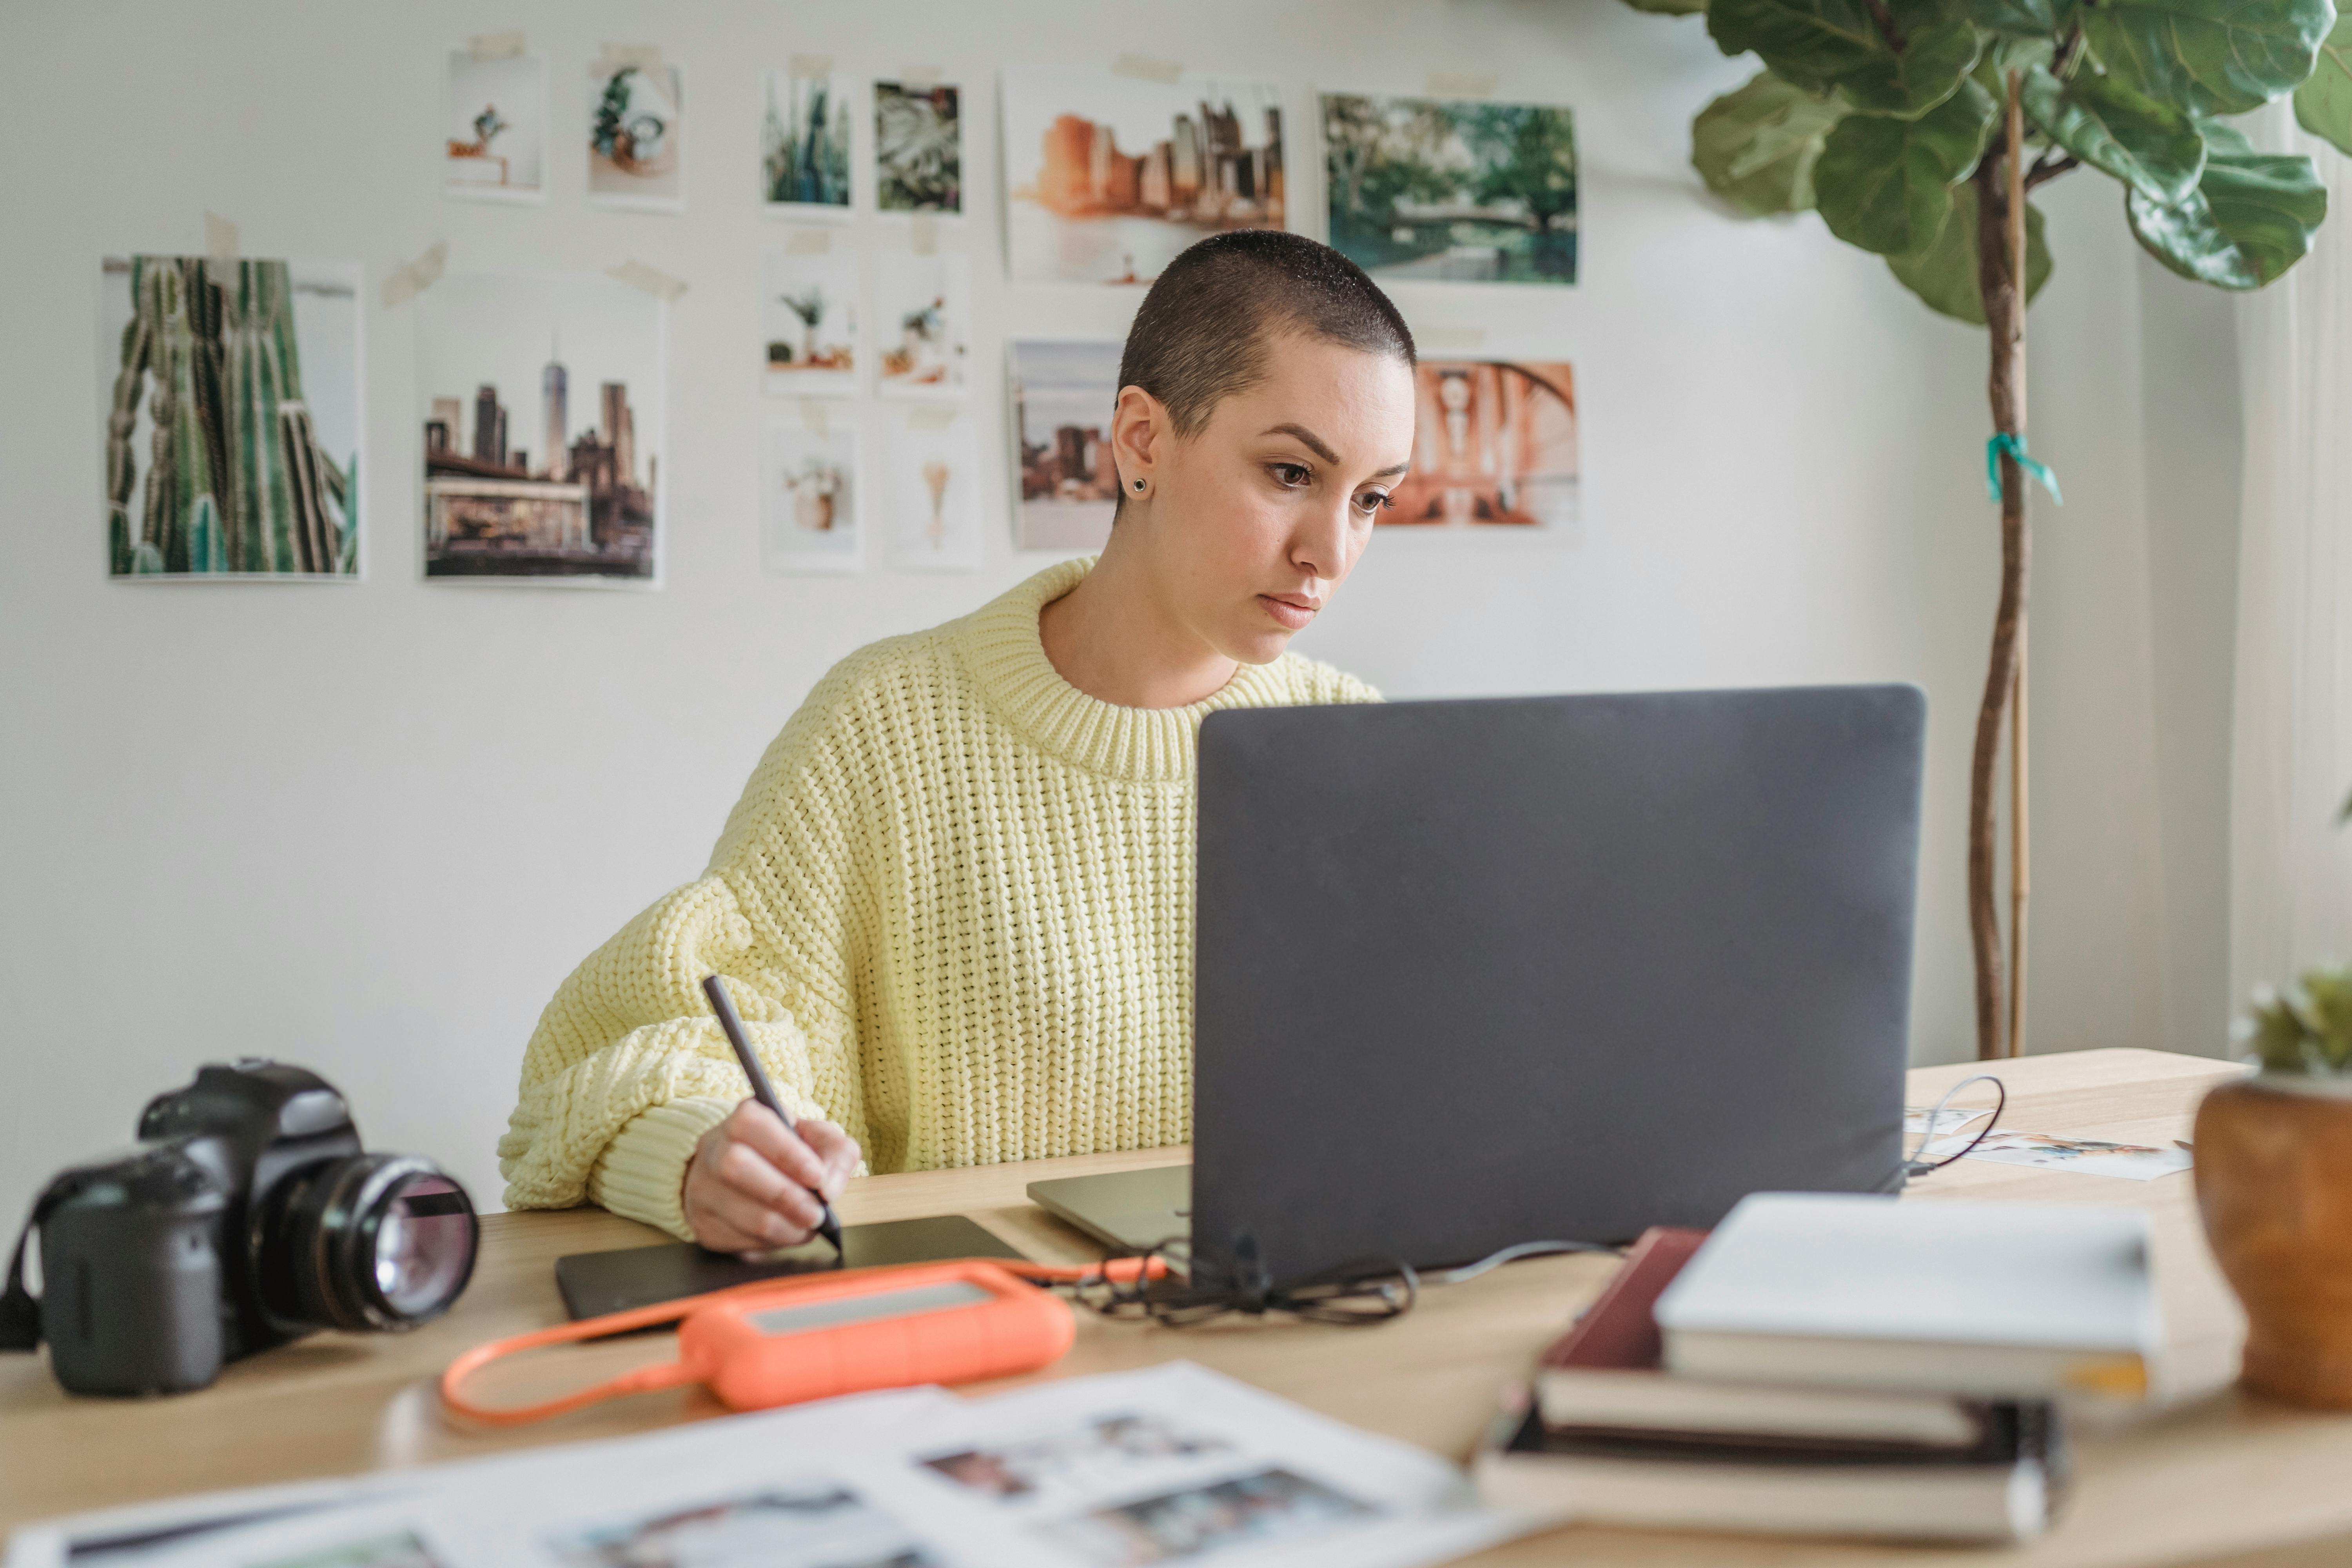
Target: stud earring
(1139, 486)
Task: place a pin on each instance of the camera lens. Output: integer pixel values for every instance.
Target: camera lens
(375, 1241)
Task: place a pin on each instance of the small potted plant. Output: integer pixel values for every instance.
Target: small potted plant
(2275, 1186)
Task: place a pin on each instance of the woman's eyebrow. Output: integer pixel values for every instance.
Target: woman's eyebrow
(1307, 439)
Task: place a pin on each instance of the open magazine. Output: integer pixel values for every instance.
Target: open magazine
(1172, 1465)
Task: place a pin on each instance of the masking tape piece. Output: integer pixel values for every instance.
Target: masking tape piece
(653, 280)
(813, 416)
(923, 234)
(408, 282)
(647, 57)
(1143, 68)
(1449, 336)
(811, 64)
(220, 239)
(808, 242)
(1461, 84)
(920, 76)
(487, 47)
(930, 417)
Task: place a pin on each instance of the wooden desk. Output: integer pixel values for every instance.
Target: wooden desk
(2215, 1477)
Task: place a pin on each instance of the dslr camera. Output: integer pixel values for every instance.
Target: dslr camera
(247, 1216)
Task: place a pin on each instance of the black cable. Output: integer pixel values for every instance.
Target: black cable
(1356, 1294)
(1915, 1166)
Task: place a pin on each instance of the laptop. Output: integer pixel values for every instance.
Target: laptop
(1474, 973)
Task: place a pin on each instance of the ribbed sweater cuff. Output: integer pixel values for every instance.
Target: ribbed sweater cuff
(641, 1174)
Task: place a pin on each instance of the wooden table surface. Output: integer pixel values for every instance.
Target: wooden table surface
(2213, 1476)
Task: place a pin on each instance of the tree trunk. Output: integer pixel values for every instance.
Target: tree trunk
(2000, 280)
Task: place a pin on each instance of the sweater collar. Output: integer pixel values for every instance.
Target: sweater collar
(1001, 645)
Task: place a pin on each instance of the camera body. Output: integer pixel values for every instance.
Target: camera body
(248, 1216)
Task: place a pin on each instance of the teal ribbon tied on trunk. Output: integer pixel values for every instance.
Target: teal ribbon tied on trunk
(2014, 444)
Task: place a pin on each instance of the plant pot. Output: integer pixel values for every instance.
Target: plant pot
(2274, 1174)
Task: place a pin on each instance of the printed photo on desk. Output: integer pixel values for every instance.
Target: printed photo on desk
(918, 148)
(636, 136)
(816, 1524)
(540, 396)
(229, 410)
(1108, 177)
(1452, 192)
(924, 305)
(1063, 394)
(496, 142)
(804, 142)
(809, 496)
(1493, 446)
(808, 318)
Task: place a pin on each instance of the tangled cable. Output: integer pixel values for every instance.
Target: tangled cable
(1356, 1294)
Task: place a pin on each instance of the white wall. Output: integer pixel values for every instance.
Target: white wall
(382, 862)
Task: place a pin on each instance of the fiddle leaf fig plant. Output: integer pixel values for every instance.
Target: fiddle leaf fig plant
(1917, 128)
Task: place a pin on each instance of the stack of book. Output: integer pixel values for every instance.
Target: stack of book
(1835, 1365)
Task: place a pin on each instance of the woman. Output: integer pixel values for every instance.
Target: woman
(955, 902)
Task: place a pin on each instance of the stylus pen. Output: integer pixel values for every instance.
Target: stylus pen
(762, 1090)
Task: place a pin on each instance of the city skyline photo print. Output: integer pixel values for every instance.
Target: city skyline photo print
(1108, 177)
(541, 401)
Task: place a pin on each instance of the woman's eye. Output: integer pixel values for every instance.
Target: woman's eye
(1290, 475)
(1372, 502)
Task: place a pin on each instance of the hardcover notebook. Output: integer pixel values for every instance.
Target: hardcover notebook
(1998, 1300)
(1603, 1378)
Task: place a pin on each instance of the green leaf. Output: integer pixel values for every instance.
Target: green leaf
(1820, 44)
(2152, 147)
(2323, 105)
(1809, 42)
(2250, 217)
(1934, 59)
(1668, 8)
(2209, 56)
(1944, 274)
(1755, 147)
(2022, 19)
(1885, 184)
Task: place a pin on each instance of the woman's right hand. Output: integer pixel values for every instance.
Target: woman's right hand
(750, 1184)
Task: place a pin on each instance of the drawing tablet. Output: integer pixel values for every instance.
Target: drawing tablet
(596, 1283)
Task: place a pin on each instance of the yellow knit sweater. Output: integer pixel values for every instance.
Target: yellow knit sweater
(955, 908)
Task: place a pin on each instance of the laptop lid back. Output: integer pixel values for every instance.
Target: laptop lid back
(1470, 974)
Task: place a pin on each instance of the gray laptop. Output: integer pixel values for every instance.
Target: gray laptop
(1561, 968)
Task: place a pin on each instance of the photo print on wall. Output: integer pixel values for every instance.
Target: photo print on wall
(804, 142)
(922, 304)
(918, 148)
(809, 496)
(527, 480)
(931, 460)
(808, 320)
(636, 136)
(229, 399)
(1108, 177)
(496, 146)
(1493, 445)
(1063, 394)
(1454, 192)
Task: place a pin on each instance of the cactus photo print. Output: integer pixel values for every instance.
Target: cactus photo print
(804, 142)
(636, 136)
(230, 402)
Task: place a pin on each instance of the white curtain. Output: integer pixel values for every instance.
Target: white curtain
(2291, 767)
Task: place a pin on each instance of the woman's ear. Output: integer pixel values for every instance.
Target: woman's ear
(1139, 436)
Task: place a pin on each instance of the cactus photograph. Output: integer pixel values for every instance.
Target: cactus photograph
(230, 402)
(804, 143)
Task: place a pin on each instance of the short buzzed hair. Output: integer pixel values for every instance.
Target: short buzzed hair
(1204, 330)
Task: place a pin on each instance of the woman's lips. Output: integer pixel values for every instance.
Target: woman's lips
(1292, 612)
